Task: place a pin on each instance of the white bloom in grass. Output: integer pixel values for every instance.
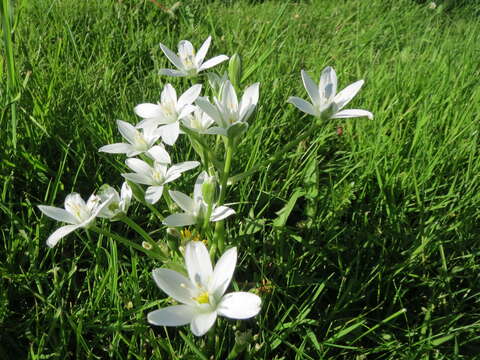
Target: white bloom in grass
(168, 112)
(230, 115)
(187, 62)
(155, 176)
(202, 294)
(77, 213)
(138, 141)
(196, 208)
(326, 103)
(118, 204)
(199, 121)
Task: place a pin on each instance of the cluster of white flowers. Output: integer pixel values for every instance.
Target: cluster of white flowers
(221, 115)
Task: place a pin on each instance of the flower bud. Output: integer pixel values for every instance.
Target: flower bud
(235, 70)
(209, 189)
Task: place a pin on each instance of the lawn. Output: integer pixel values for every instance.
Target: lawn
(361, 239)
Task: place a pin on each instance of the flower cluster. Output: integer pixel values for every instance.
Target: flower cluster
(217, 116)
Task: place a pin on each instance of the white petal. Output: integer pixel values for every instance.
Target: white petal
(174, 285)
(181, 167)
(213, 61)
(311, 88)
(249, 98)
(202, 322)
(229, 96)
(197, 189)
(186, 110)
(170, 133)
(169, 94)
(185, 48)
(118, 148)
(347, 94)
(60, 233)
(189, 96)
(328, 84)
(138, 178)
(172, 57)
(126, 197)
(159, 154)
(302, 105)
(239, 305)
(185, 202)
(139, 166)
(127, 130)
(202, 52)
(58, 214)
(350, 113)
(223, 272)
(221, 213)
(170, 72)
(178, 220)
(148, 111)
(209, 109)
(153, 194)
(74, 202)
(172, 316)
(198, 263)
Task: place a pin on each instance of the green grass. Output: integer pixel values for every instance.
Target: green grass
(366, 243)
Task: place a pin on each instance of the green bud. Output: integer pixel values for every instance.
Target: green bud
(235, 70)
(209, 190)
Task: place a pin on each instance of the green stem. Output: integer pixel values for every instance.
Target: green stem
(278, 155)
(139, 230)
(127, 242)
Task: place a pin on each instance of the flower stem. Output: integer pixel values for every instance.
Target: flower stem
(139, 230)
(127, 242)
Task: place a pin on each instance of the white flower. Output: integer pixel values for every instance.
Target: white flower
(168, 112)
(202, 293)
(139, 141)
(227, 112)
(118, 205)
(156, 176)
(187, 62)
(196, 208)
(77, 213)
(326, 103)
(199, 121)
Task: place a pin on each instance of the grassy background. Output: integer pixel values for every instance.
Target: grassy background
(375, 252)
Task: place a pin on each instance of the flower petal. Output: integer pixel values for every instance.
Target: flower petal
(350, 113)
(311, 88)
(202, 322)
(58, 214)
(177, 315)
(202, 52)
(239, 305)
(189, 96)
(179, 168)
(153, 194)
(302, 105)
(347, 94)
(127, 130)
(60, 233)
(198, 263)
(249, 98)
(221, 213)
(178, 220)
(169, 95)
(139, 166)
(148, 111)
(185, 49)
(174, 285)
(174, 59)
(328, 84)
(185, 202)
(215, 130)
(223, 272)
(213, 61)
(207, 107)
(118, 148)
(170, 133)
(138, 178)
(159, 154)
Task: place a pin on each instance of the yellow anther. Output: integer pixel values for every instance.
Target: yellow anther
(202, 298)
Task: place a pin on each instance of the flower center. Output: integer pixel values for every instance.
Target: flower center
(140, 143)
(202, 298)
(157, 177)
